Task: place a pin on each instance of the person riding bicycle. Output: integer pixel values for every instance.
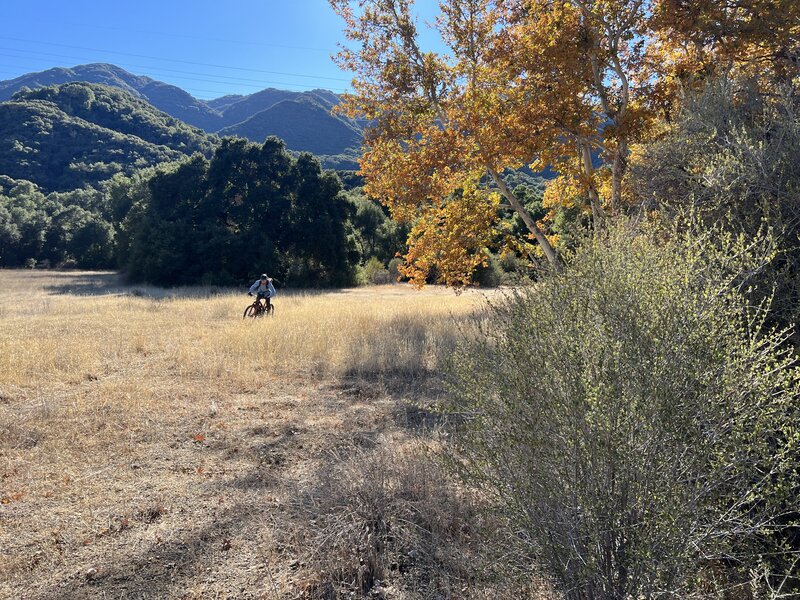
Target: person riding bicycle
(263, 288)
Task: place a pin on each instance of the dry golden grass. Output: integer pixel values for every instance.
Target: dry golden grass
(49, 335)
(154, 444)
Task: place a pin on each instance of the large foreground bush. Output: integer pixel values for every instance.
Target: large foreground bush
(637, 424)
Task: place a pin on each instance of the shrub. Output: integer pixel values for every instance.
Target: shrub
(731, 154)
(375, 273)
(634, 421)
(490, 275)
(389, 520)
(394, 268)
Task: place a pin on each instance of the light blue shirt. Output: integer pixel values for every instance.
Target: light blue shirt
(263, 288)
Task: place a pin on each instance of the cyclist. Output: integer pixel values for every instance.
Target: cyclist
(263, 288)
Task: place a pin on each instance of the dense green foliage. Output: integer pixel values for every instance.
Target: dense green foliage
(636, 424)
(377, 235)
(251, 208)
(732, 155)
(57, 229)
(66, 137)
(113, 109)
(222, 221)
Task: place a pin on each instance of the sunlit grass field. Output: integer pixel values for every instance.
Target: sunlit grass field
(155, 444)
(61, 328)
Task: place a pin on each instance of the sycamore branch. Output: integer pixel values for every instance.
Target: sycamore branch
(527, 219)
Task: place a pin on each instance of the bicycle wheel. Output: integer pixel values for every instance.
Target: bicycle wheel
(251, 312)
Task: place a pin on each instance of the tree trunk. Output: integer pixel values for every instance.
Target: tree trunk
(618, 169)
(549, 251)
(598, 214)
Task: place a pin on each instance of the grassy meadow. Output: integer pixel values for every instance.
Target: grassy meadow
(154, 444)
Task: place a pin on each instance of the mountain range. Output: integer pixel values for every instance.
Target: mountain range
(302, 119)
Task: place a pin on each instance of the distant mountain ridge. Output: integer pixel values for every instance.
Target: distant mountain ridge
(167, 98)
(303, 119)
(301, 123)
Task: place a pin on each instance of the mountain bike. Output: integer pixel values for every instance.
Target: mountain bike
(259, 309)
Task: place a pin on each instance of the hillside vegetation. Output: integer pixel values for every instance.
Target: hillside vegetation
(167, 98)
(305, 123)
(69, 136)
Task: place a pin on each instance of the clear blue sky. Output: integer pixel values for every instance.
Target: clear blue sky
(209, 48)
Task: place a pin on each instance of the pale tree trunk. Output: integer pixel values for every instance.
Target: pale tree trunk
(618, 168)
(550, 252)
(613, 109)
(552, 256)
(598, 214)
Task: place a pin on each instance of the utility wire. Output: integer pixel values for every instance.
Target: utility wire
(219, 93)
(172, 60)
(163, 34)
(262, 84)
(192, 90)
(24, 53)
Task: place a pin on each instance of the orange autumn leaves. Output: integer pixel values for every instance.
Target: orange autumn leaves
(451, 237)
(571, 85)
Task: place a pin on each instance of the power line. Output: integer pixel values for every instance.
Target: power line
(219, 93)
(261, 83)
(172, 60)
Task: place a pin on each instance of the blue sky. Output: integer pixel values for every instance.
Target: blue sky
(209, 48)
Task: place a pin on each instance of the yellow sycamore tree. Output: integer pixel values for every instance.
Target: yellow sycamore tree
(434, 138)
(698, 39)
(569, 85)
(520, 83)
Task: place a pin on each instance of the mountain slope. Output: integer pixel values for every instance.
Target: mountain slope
(114, 109)
(224, 101)
(168, 98)
(252, 104)
(65, 137)
(304, 124)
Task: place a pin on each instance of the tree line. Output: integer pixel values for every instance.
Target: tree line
(219, 220)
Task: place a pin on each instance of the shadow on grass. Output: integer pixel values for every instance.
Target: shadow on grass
(114, 284)
(162, 569)
(90, 284)
(199, 552)
(407, 362)
(213, 549)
